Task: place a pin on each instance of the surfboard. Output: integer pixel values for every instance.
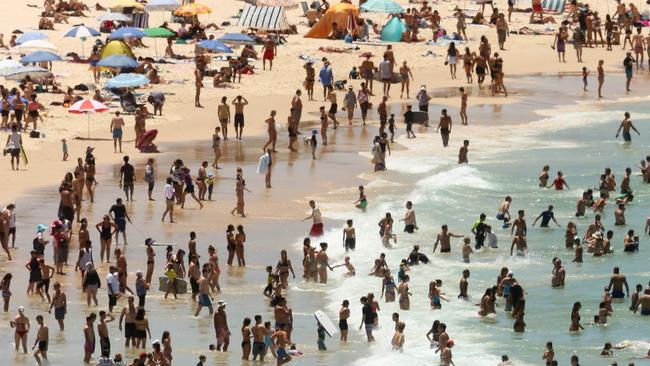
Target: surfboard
(181, 285)
(327, 323)
(23, 155)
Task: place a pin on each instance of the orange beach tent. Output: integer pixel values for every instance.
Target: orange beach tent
(338, 14)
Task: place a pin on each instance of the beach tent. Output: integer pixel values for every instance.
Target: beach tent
(337, 13)
(116, 47)
(270, 18)
(393, 30)
(554, 6)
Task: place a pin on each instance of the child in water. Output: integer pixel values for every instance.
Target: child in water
(268, 290)
(585, 74)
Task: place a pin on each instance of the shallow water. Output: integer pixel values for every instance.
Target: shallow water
(577, 138)
(568, 132)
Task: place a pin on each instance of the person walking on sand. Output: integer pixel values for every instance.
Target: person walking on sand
(405, 76)
(317, 222)
(169, 200)
(117, 128)
(310, 78)
(239, 102)
(296, 111)
(14, 145)
(626, 125)
(272, 132)
(444, 126)
(326, 77)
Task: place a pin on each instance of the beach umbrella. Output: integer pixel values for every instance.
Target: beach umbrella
(214, 46)
(158, 32)
(9, 66)
(114, 17)
(162, 5)
(118, 61)
(40, 56)
(30, 36)
(190, 10)
(382, 6)
(82, 32)
(31, 71)
(126, 32)
(127, 81)
(236, 38)
(87, 106)
(38, 44)
(120, 5)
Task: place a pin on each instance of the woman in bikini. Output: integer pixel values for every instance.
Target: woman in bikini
(5, 291)
(90, 177)
(403, 291)
(283, 268)
(388, 287)
(215, 271)
(240, 239)
(231, 244)
(202, 175)
(273, 133)
(468, 63)
(246, 339)
(106, 229)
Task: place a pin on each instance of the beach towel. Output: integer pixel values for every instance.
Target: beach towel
(554, 6)
(308, 58)
(263, 164)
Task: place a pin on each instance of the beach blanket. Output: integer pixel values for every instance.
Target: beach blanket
(554, 6)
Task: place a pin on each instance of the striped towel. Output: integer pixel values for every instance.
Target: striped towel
(555, 6)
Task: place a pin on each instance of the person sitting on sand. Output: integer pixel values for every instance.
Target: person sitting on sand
(45, 24)
(2, 41)
(60, 18)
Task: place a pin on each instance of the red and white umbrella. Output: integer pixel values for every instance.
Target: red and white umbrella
(88, 106)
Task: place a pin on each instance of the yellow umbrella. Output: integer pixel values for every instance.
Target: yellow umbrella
(119, 5)
(190, 10)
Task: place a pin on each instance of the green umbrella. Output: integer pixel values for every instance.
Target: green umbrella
(158, 33)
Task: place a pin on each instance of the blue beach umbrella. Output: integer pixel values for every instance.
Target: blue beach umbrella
(382, 6)
(127, 32)
(118, 61)
(30, 36)
(32, 71)
(40, 56)
(214, 46)
(81, 31)
(127, 81)
(236, 38)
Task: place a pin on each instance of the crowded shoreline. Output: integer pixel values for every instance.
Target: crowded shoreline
(278, 218)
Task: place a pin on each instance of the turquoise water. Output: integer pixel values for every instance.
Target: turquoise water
(505, 160)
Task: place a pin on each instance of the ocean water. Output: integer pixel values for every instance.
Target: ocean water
(575, 135)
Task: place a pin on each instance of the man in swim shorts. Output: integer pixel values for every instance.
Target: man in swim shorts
(239, 102)
(117, 124)
(259, 331)
(269, 51)
(410, 224)
(42, 338)
(317, 223)
(616, 283)
(644, 303)
(120, 216)
(281, 342)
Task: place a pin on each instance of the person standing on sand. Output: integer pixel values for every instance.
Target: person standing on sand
(326, 77)
(317, 222)
(269, 52)
(239, 102)
(296, 110)
(198, 84)
(310, 78)
(601, 77)
(41, 340)
(169, 200)
(628, 65)
(116, 128)
(502, 31)
(223, 113)
(444, 126)
(463, 106)
(364, 103)
(264, 167)
(626, 125)
(350, 101)
(273, 133)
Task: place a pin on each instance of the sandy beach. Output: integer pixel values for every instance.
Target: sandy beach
(545, 119)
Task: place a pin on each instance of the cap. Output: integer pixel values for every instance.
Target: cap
(89, 148)
(143, 354)
(314, 132)
(40, 228)
(139, 273)
(450, 343)
(155, 342)
(510, 274)
(350, 87)
(222, 303)
(21, 309)
(423, 87)
(149, 241)
(210, 175)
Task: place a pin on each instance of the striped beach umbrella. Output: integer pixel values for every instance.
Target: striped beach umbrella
(87, 106)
